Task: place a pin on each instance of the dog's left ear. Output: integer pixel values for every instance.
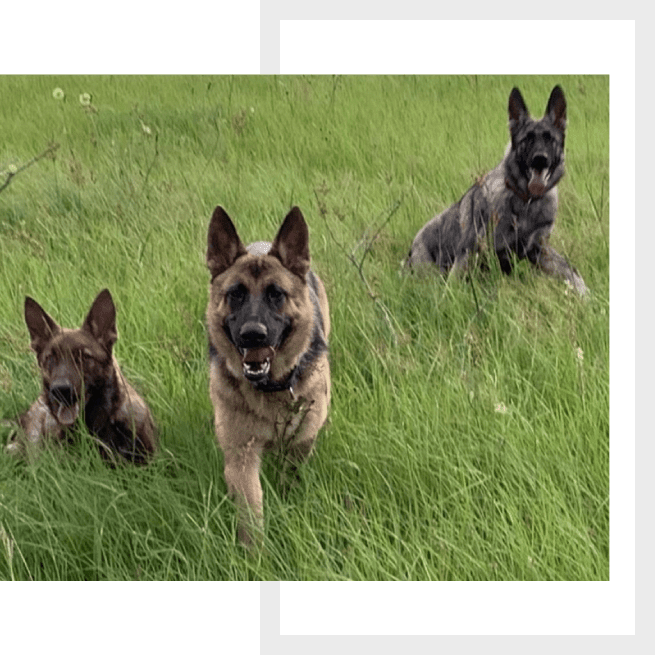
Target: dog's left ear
(556, 109)
(291, 245)
(101, 320)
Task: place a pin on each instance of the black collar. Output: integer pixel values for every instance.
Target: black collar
(271, 386)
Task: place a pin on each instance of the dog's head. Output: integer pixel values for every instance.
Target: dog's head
(538, 145)
(72, 362)
(260, 315)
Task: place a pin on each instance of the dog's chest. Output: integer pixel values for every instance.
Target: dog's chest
(523, 222)
(290, 419)
(283, 419)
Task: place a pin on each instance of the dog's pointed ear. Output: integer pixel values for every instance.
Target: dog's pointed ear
(41, 326)
(556, 108)
(516, 107)
(223, 244)
(101, 320)
(291, 245)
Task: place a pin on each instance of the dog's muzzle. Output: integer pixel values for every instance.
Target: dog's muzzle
(256, 354)
(539, 176)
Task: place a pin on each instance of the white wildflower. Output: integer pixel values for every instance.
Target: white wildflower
(500, 408)
(58, 94)
(85, 99)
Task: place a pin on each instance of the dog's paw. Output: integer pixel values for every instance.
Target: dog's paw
(577, 285)
(13, 449)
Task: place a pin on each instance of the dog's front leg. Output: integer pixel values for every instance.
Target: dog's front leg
(552, 263)
(242, 478)
(36, 423)
(461, 264)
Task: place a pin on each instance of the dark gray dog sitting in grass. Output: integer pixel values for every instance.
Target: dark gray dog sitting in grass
(518, 198)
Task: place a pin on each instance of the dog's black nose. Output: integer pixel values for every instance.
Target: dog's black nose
(64, 393)
(539, 162)
(253, 334)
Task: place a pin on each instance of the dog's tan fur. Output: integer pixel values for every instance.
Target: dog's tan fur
(250, 421)
(82, 358)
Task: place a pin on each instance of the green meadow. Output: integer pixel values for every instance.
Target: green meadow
(468, 436)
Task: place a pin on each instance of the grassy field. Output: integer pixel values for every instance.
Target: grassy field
(468, 432)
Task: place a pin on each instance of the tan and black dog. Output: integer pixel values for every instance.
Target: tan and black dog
(82, 382)
(268, 325)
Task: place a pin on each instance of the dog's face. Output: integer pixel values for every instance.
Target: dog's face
(72, 362)
(538, 146)
(257, 314)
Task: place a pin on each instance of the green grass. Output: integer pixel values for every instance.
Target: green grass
(467, 440)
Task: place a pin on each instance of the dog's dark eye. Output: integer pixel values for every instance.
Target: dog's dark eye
(530, 135)
(236, 295)
(546, 136)
(274, 294)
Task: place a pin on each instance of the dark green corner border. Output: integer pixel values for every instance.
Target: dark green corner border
(508, 47)
(131, 36)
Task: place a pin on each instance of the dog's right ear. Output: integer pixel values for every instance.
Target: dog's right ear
(516, 107)
(41, 326)
(223, 244)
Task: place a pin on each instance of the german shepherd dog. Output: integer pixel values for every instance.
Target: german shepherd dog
(519, 197)
(268, 325)
(82, 382)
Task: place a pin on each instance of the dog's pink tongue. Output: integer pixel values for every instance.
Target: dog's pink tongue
(67, 415)
(537, 184)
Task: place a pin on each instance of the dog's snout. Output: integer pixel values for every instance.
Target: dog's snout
(63, 392)
(253, 334)
(539, 162)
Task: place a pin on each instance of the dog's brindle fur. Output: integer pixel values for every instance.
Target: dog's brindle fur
(82, 381)
(268, 325)
(519, 197)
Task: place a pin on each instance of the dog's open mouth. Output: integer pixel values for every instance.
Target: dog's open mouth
(538, 181)
(257, 362)
(64, 404)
